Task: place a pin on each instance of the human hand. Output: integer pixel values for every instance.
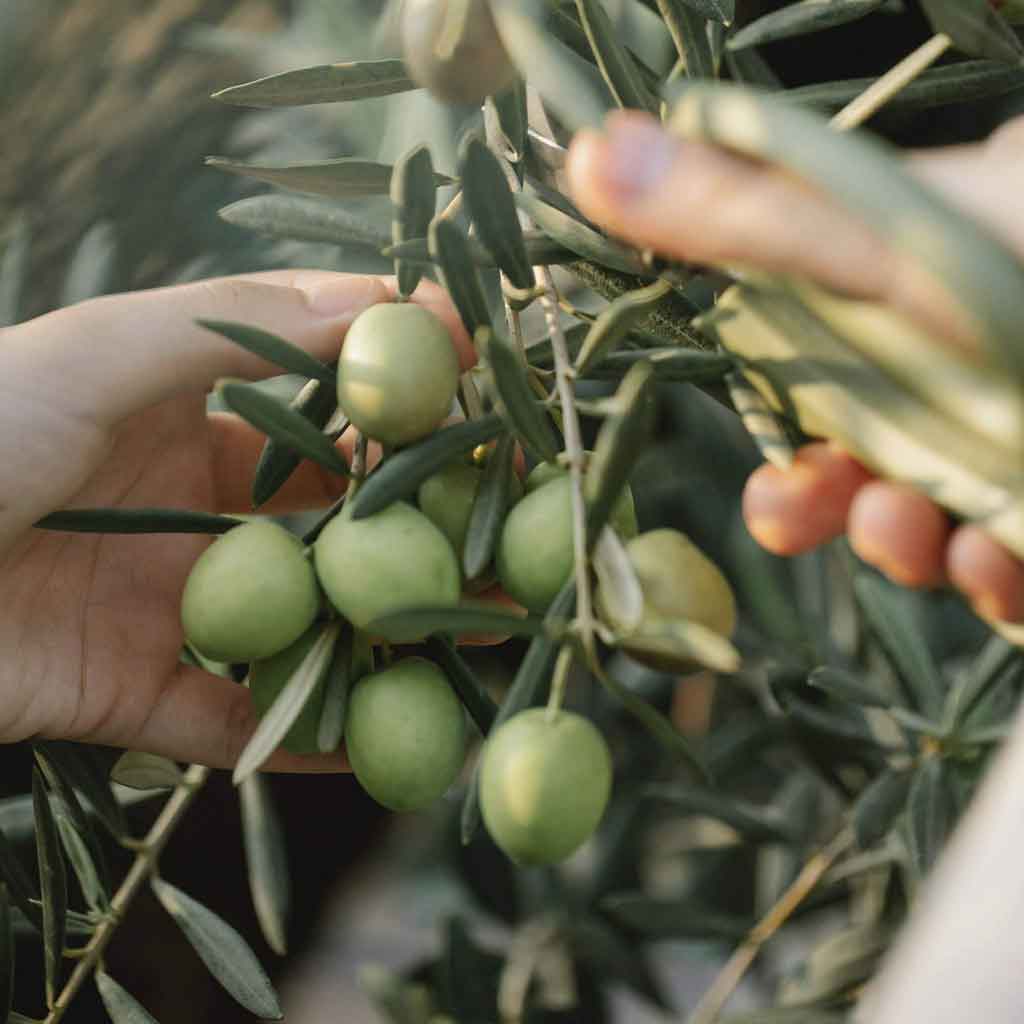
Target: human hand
(702, 204)
(104, 404)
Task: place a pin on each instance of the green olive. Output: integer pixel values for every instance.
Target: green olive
(392, 560)
(267, 678)
(544, 784)
(474, 64)
(623, 515)
(397, 373)
(250, 594)
(405, 734)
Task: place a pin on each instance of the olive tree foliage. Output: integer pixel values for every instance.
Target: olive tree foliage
(790, 787)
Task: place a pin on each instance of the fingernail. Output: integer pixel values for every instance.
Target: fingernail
(988, 607)
(345, 296)
(639, 156)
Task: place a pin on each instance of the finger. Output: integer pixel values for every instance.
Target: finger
(795, 510)
(900, 532)
(204, 719)
(105, 359)
(990, 576)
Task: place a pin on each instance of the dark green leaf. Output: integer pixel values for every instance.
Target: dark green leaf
(87, 769)
(668, 364)
(305, 220)
(21, 889)
(721, 11)
(877, 808)
(450, 250)
(930, 813)
(493, 210)
(223, 951)
(53, 886)
(136, 520)
(267, 861)
(413, 199)
(281, 424)
(615, 322)
(352, 659)
(762, 824)
(799, 19)
(845, 686)
(748, 67)
(400, 475)
(689, 34)
(787, 1015)
(490, 506)
(7, 955)
(471, 691)
(995, 660)
(146, 771)
(510, 108)
(617, 66)
(659, 918)
(540, 250)
(273, 349)
(847, 722)
(916, 723)
(519, 404)
(122, 1006)
(344, 178)
(470, 976)
(464, 620)
(975, 28)
(326, 83)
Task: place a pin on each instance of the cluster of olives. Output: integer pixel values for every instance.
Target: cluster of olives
(257, 596)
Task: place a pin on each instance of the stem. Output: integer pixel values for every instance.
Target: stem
(736, 967)
(142, 868)
(893, 81)
(559, 680)
(358, 465)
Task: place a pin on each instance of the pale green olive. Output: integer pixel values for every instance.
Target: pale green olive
(544, 784)
(397, 373)
(394, 559)
(405, 734)
(623, 515)
(250, 594)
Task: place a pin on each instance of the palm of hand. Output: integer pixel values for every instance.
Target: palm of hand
(91, 631)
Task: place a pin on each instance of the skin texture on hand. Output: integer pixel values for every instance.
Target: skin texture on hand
(104, 404)
(703, 204)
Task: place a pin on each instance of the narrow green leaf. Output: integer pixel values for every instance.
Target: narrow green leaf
(800, 19)
(136, 520)
(916, 723)
(996, 658)
(510, 108)
(146, 771)
(688, 28)
(668, 364)
(721, 11)
(282, 424)
(352, 659)
(21, 889)
(617, 65)
(621, 441)
(848, 723)
(930, 814)
(975, 28)
(14, 270)
(757, 823)
(287, 706)
(122, 1006)
(461, 620)
(267, 861)
(325, 83)
(450, 251)
(787, 1015)
(7, 955)
(748, 67)
(877, 808)
(683, 646)
(413, 199)
(343, 178)
(400, 475)
(87, 769)
(273, 349)
(470, 976)
(490, 506)
(471, 691)
(985, 735)
(303, 220)
(540, 251)
(622, 597)
(223, 950)
(493, 209)
(660, 918)
(53, 886)
(845, 686)
(615, 322)
(519, 406)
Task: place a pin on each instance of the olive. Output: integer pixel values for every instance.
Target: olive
(544, 784)
(623, 514)
(250, 594)
(464, 69)
(394, 559)
(397, 373)
(405, 734)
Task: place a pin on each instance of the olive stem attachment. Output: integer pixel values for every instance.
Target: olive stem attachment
(559, 680)
(141, 870)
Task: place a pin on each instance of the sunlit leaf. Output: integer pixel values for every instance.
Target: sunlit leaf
(304, 220)
(273, 349)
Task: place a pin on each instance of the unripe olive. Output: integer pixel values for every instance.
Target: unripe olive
(623, 515)
(250, 594)
(391, 560)
(397, 373)
(544, 784)
(405, 734)
(267, 678)
(475, 65)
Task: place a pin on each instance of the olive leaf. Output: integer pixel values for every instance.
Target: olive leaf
(352, 659)
(122, 1006)
(510, 109)
(673, 364)
(519, 406)
(225, 953)
(7, 955)
(989, 668)
(490, 505)
(287, 705)
(20, 887)
(617, 65)
(53, 886)
(750, 68)
(721, 11)
(450, 250)
(688, 28)
(471, 691)
(469, 976)
(621, 594)
(931, 813)
(325, 83)
(800, 19)
(400, 475)
(615, 322)
(764, 824)
(86, 768)
(877, 808)
(413, 200)
(845, 686)
(138, 770)
(303, 220)
(461, 620)
(281, 424)
(683, 645)
(666, 918)
(975, 27)
(848, 723)
(540, 251)
(136, 520)
(273, 349)
(267, 861)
